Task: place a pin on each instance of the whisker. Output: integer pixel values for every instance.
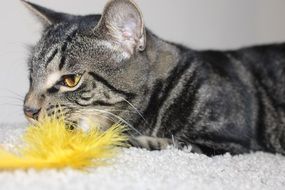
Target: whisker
(10, 104)
(78, 114)
(13, 98)
(108, 118)
(92, 111)
(122, 111)
(119, 118)
(140, 114)
(100, 115)
(15, 93)
(103, 116)
(115, 122)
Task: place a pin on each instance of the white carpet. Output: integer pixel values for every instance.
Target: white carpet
(140, 169)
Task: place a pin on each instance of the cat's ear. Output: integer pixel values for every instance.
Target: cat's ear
(122, 22)
(46, 16)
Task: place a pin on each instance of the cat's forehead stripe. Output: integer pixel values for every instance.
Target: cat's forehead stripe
(64, 46)
(61, 47)
(52, 53)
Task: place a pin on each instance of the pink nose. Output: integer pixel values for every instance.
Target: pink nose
(32, 112)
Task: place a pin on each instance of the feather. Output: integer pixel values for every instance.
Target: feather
(49, 144)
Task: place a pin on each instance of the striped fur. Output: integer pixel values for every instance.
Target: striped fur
(214, 101)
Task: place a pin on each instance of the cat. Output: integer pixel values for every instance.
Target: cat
(111, 68)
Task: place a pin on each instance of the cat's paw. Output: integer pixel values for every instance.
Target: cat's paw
(150, 143)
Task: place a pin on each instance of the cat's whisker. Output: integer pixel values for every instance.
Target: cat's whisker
(93, 112)
(79, 115)
(140, 114)
(11, 104)
(108, 118)
(122, 111)
(114, 121)
(15, 93)
(13, 98)
(119, 118)
(99, 115)
(136, 111)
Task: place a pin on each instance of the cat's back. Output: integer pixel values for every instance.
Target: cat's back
(261, 66)
(267, 65)
(246, 86)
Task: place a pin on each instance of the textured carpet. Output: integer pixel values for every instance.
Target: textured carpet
(141, 169)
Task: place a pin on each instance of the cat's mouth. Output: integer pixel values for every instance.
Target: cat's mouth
(31, 120)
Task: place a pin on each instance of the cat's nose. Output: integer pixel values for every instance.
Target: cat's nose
(32, 113)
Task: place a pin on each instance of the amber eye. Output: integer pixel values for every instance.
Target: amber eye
(71, 80)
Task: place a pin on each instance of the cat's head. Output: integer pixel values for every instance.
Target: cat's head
(88, 66)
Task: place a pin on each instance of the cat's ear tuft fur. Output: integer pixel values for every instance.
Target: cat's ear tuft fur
(122, 22)
(46, 16)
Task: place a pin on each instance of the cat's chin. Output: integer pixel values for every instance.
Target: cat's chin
(31, 121)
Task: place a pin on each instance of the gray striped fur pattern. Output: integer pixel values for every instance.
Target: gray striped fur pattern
(213, 101)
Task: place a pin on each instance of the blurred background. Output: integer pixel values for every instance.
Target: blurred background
(201, 24)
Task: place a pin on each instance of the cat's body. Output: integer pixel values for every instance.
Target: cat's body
(215, 101)
(222, 100)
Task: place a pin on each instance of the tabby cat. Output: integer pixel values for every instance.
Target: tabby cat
(111, 68)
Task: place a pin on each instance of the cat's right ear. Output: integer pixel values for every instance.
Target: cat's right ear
(122, 23)
(46, 16)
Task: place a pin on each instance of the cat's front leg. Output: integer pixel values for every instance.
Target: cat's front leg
(155, 143)
(150, 143)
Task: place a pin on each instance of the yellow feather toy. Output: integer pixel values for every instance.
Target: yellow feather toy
(49, 144)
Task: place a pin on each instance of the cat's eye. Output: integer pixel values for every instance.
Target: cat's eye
(71, 81)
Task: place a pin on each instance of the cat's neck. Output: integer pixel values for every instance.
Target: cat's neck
(163, 56)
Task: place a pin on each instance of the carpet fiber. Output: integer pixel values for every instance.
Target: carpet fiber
(141, 169)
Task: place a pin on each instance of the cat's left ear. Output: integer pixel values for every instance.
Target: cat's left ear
(122, 22)
(46, 16)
